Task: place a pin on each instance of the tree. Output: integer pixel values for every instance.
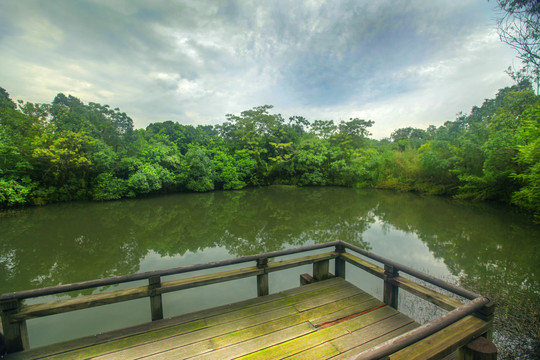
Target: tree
(519, 27)
(324, 129)
(409, 136)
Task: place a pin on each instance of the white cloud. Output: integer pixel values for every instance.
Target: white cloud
(398, 63)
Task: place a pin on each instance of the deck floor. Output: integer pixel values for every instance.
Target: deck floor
(331, 319)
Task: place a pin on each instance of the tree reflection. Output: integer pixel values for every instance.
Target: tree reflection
(74, 242)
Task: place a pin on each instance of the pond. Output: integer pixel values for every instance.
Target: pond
(488, 248)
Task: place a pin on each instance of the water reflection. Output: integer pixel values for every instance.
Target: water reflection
(74, 242)
(487, 247)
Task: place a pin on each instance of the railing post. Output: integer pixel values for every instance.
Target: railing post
(156, 303)
(487, 313)
(321, 270)
(340, 262)
(479, 349)
(15, 333)
(390, 291)
(262, 279)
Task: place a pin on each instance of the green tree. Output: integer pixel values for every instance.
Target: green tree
(200, 172)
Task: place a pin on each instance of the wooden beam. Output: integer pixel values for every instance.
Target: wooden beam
(111, 297)
(364, 265)
(156, 303)
(262, 279)
(390, 290)
(339, 266)
(15, 333)
(321, 270)
(479, 349)
(146, 275)
(306, 279)
(423, 292)
(287, 264)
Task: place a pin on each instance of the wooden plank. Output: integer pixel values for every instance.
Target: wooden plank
(356, 338)
(202, 280)
(423, 292)
(228, 333)
(351, 354)
(364, 265)
(445, 341)
(83, 302)
(301, 343)
(374, 331)
(287, 264)
(111, 297)
(273, 325)
(105, 349)
(291, 300)
(233, 351)
(359, 303)
(285, 298)
(326, 297)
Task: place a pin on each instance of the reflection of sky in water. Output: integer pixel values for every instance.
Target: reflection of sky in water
(405, 248)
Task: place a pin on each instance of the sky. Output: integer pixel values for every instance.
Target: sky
(399, 63)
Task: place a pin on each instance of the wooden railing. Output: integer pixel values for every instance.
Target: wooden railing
(14, 312)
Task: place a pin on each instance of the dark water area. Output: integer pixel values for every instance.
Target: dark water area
(487, 248)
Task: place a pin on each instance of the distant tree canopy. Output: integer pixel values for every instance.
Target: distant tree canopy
(69, 150)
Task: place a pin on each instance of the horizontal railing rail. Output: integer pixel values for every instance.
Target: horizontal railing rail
(26, 294)
(15, 312)
(417, 274)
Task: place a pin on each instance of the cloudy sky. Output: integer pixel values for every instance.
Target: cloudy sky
(398, 63)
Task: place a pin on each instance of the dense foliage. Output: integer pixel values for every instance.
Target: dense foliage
(68, 150)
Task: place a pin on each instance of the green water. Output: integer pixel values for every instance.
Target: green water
(485, 247)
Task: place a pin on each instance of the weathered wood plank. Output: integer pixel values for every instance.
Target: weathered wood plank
(300, 298)
(326, 297)
(202, 280)
(83, 302)
(359, 303)
(364, 265)
(228, 333)
(355, 338)
(233, 351)
(350, 354)
(327, 309)
(374, 331)
(268, 322)
(111, 297)
(287, 264)
(423, 292)
(301, 343)
(150, 338)
(445, 341)
(286, 297)
(144, 276)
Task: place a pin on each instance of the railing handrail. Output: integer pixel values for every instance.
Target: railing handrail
(391, 346)
(15, 316)
(417, 274)
(51, 290)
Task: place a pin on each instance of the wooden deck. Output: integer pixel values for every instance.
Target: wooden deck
(328, 319)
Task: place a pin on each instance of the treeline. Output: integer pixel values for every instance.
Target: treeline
(68, 150)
